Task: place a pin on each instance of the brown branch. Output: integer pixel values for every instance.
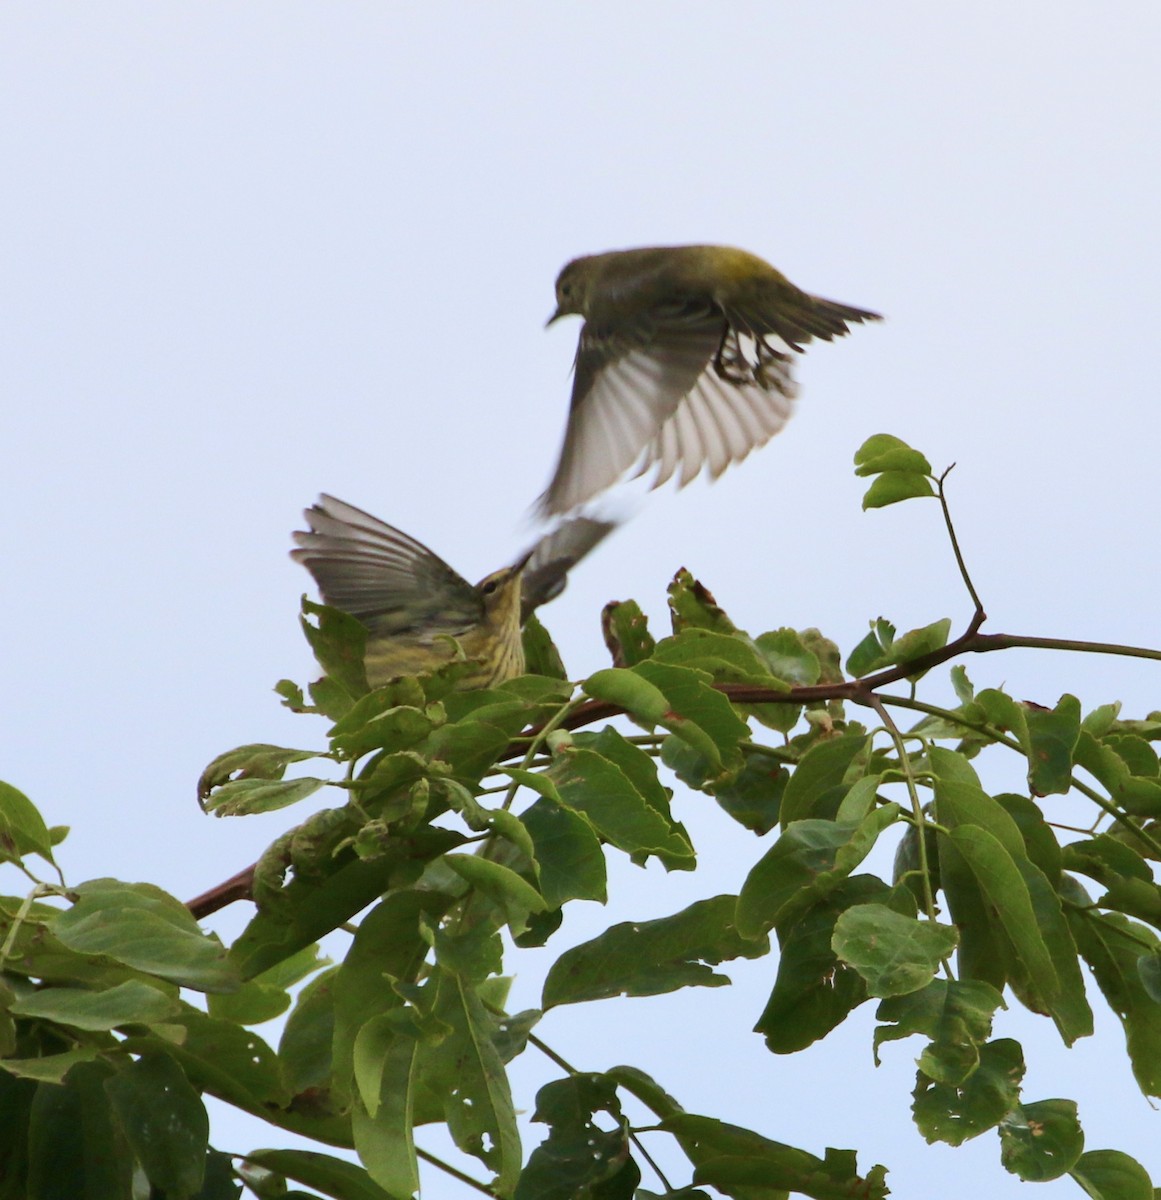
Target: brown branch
(237, 887)
(971, 641)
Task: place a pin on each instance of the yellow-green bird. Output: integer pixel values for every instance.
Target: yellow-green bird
(421, 614)
(684, 360)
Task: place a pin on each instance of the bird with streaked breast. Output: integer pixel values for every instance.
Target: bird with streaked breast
(684, 361)
(419, 613)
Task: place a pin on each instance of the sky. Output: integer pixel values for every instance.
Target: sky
(255, 251)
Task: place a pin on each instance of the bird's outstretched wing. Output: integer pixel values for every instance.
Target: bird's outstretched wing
(375, 572)
(627, 385)
(551, 559)
(689, 386)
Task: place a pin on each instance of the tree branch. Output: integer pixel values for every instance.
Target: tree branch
(971, 641)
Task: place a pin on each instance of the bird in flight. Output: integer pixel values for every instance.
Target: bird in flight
(684, 361)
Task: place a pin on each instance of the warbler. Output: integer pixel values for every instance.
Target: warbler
(684, 360)
(420, 613)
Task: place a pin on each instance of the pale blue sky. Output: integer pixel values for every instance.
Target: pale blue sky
(253, 251)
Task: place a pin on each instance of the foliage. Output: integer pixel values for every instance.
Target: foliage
(466, 821)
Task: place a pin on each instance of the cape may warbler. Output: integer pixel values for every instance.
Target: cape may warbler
(684, 360)
(419, 613)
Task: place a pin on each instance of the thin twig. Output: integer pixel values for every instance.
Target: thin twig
(967, 579)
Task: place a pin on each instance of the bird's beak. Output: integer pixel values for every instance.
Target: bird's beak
(555, 317)
(522, 561)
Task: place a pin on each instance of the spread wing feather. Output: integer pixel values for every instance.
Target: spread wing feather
(375, 572)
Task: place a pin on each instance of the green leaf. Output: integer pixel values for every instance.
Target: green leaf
(305, 1048)
(626, 633)
(1111, 945)
(881, 648)
(823, 776)
(814, 991)
(917, 642)
(76, 1150)
(339, 642)
(145, 928)
(692, 606)
(883, 452)
(961, 684)
(222, 1058)
(389, 945)
(1139, 795)
(984, 951)
(131, 1002)
(579, 1157)
(465, 1071)
(1111, 1175)
(379, 722)
(730, 1158)
(50, 1068)
(953, 1113)
(637, 766)
(894, 954)
(541, 656)
(513, 896)
(1048, 738)
(1106, 860)
(164, 1121)
(629, 691)
(827, 654)
(257, 761)
(907, 868)
(265, 997)
(1002, 884)
(804, 865)
(697, 713)
(314, 905)
(874, 651)
(243, 797)
(332, 1176)
(591, 784)
(955, 1014)
(892, 486)
(646, 1089)
(568, 854)
(649, 958)
(753, 797)
(22, 828)
(1040, 842)
(1068, 1006)
(1052, 738)
(789, 657)
(1041, 1141)
(726, 657)
(382, 1124)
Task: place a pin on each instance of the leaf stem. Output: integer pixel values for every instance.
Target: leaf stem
(916, 804)
(538, 735)
(455, 1173)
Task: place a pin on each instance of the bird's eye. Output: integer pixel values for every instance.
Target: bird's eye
(566, 289)
(489, 587)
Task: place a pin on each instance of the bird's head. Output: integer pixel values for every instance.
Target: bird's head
(571, 289)
(501, 590)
